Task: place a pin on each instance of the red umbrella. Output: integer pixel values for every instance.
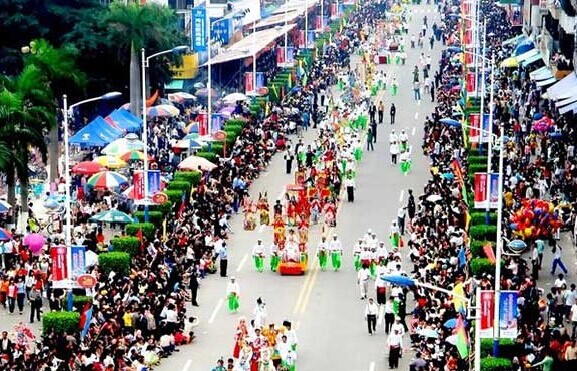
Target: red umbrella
(87, 168)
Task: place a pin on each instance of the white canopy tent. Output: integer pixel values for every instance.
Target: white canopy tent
(565, 88)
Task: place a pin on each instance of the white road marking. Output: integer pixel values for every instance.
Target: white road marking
(372, 366)
(414, 130)
(419, 102)
(416, 115)
(262, 227)
(187, 365)
(402, 195)
(215, 311)
(241, 264)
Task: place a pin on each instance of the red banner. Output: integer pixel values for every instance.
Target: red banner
(487, 308)
(468, 23)
(299, 38)
(248, 82)
(488, 250)
(474, 125)
(471, 87)
(480, 188)
(202, 119)
(468, 37)
(138, 181)
(318, 22)
(334, 13)
(58, 256)
(280, 56)
(469, 57)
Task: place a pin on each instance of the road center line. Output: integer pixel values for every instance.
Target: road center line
(215, 311)
(414, 130)
(416, 115)
(402, 195)
(372, 366)
(261, 228)
(242, 262)
(187, 365)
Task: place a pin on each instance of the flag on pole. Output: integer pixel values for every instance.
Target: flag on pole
(290, 80)
(462, 257)
(182, 206)
(459, 292)
(85, 318)
(462, 339)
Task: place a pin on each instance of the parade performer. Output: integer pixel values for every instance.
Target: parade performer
(263, 209)
(243, 363)
(258, 343)
(249, 215)
(329, 212)
(315, 210)
(405, 162)
(291, 251)
(303, 226)
(278, 209)
(241, 334)
(382, 253)
(291, 212)
(274, 257)
(381, 288)
(258, 256)
(394, 236)
(404, 141)
(357, 249)
(336, 249)
(394, 87)
(233, 291)
(279, 231)
(266, 363)
(260, 313)
(322, 253)
(373, 265)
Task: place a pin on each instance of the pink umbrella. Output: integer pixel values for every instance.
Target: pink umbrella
(35, 242)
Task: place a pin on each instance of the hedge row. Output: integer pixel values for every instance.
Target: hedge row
(148, 230)
(117, 262)
(60, 322)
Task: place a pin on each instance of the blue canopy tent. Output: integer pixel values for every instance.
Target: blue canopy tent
(131, 117)
(97, 133)
(524, 47)
(123, 121)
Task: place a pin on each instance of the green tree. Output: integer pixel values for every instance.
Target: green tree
(26, 111)
(132, 27)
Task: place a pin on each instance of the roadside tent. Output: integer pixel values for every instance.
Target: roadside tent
(122, 121)
(97, 133)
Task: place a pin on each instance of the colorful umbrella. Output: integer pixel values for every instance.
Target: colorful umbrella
(4, 206)
(111, 162)
(428, 333)
(122, 145)
(203, 92)
(189, 143)
(509, 62)
(87, 168)
(234, 97)
(191, 128)
(450, 122)
(5, 235)
(112, 216)
(196, 162)
(106, 179)
(134, 156)
(163, 110)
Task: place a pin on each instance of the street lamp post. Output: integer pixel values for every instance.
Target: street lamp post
(67, 181)
(285, 31)
(306, 24)
(145, 65)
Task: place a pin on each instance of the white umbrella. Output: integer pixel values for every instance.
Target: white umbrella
(434, 198)
(235, 97)
(123, 145)
(195, 162)
(188, 143)
(451, 339)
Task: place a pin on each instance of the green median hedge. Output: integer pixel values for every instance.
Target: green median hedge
(496, 364)
(148, 230)
(175, 196)
(154, 217)
(477, 160)
(483, 232)
(482, 265)
(476, 248)
(119, 262)
(61, 322)
(478, 218)
(508, 348)
(192, 177)
(477, 168)
(210, 156)
(128, 244)
(180, 184)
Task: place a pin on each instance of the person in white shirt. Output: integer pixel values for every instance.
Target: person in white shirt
(393, 138)
(274, 257)
(395, 343)
(381, 253)
(350, 185)
(336, 249)
(322, 254)
(233, 293)
(258, 256)
(260, 313)
(371, 312)
(363, 280)
(398, 326)
(573, 313)
(357, 249)
(394, 235)
(394, 150)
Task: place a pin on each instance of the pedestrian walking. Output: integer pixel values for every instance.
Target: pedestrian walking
(395, 343)
(417, 90)
(350, 184)
(371, 312)
(193, 285)
(394, 87)
(233, 295)
(557, 259)
(21, 294)
(370, 146)
(394, 150)
(381, 111)
(289, 157)
(223, 258)
(374, 128)
(393, 112)
(411, 207)
(389, 316)
(35, 304)
(540, 250)
(372, 113)
(363, 280)
(12, 294)
(381, 288)
(322, 254)
(401, 220)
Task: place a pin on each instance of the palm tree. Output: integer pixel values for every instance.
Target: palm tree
(58, 65)
(26, 111)
(133, 27)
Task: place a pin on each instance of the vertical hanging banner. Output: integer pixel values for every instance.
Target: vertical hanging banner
(216, 122)
(202, 120)
(508, 315)
(474, 124)
(299, 38)
(138, 183)
(471, 87)
(280, 60)
(487, 307)
(154, 183)
(78, 261)
(468, 37)
(469, 57)
(260, 80)
(311, 39)
(334, 11)
(58, 256)
(248, 82)
(290, 56)
(198, 29)
(480, 188)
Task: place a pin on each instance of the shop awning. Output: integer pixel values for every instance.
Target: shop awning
(570, 107)
(251, 44)
(293, 5)
(547, 82)
(527, 55)
(566, 101)
(542, 73)
(279, 19)
(535, 58)
(514, 40)
(564, 88)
